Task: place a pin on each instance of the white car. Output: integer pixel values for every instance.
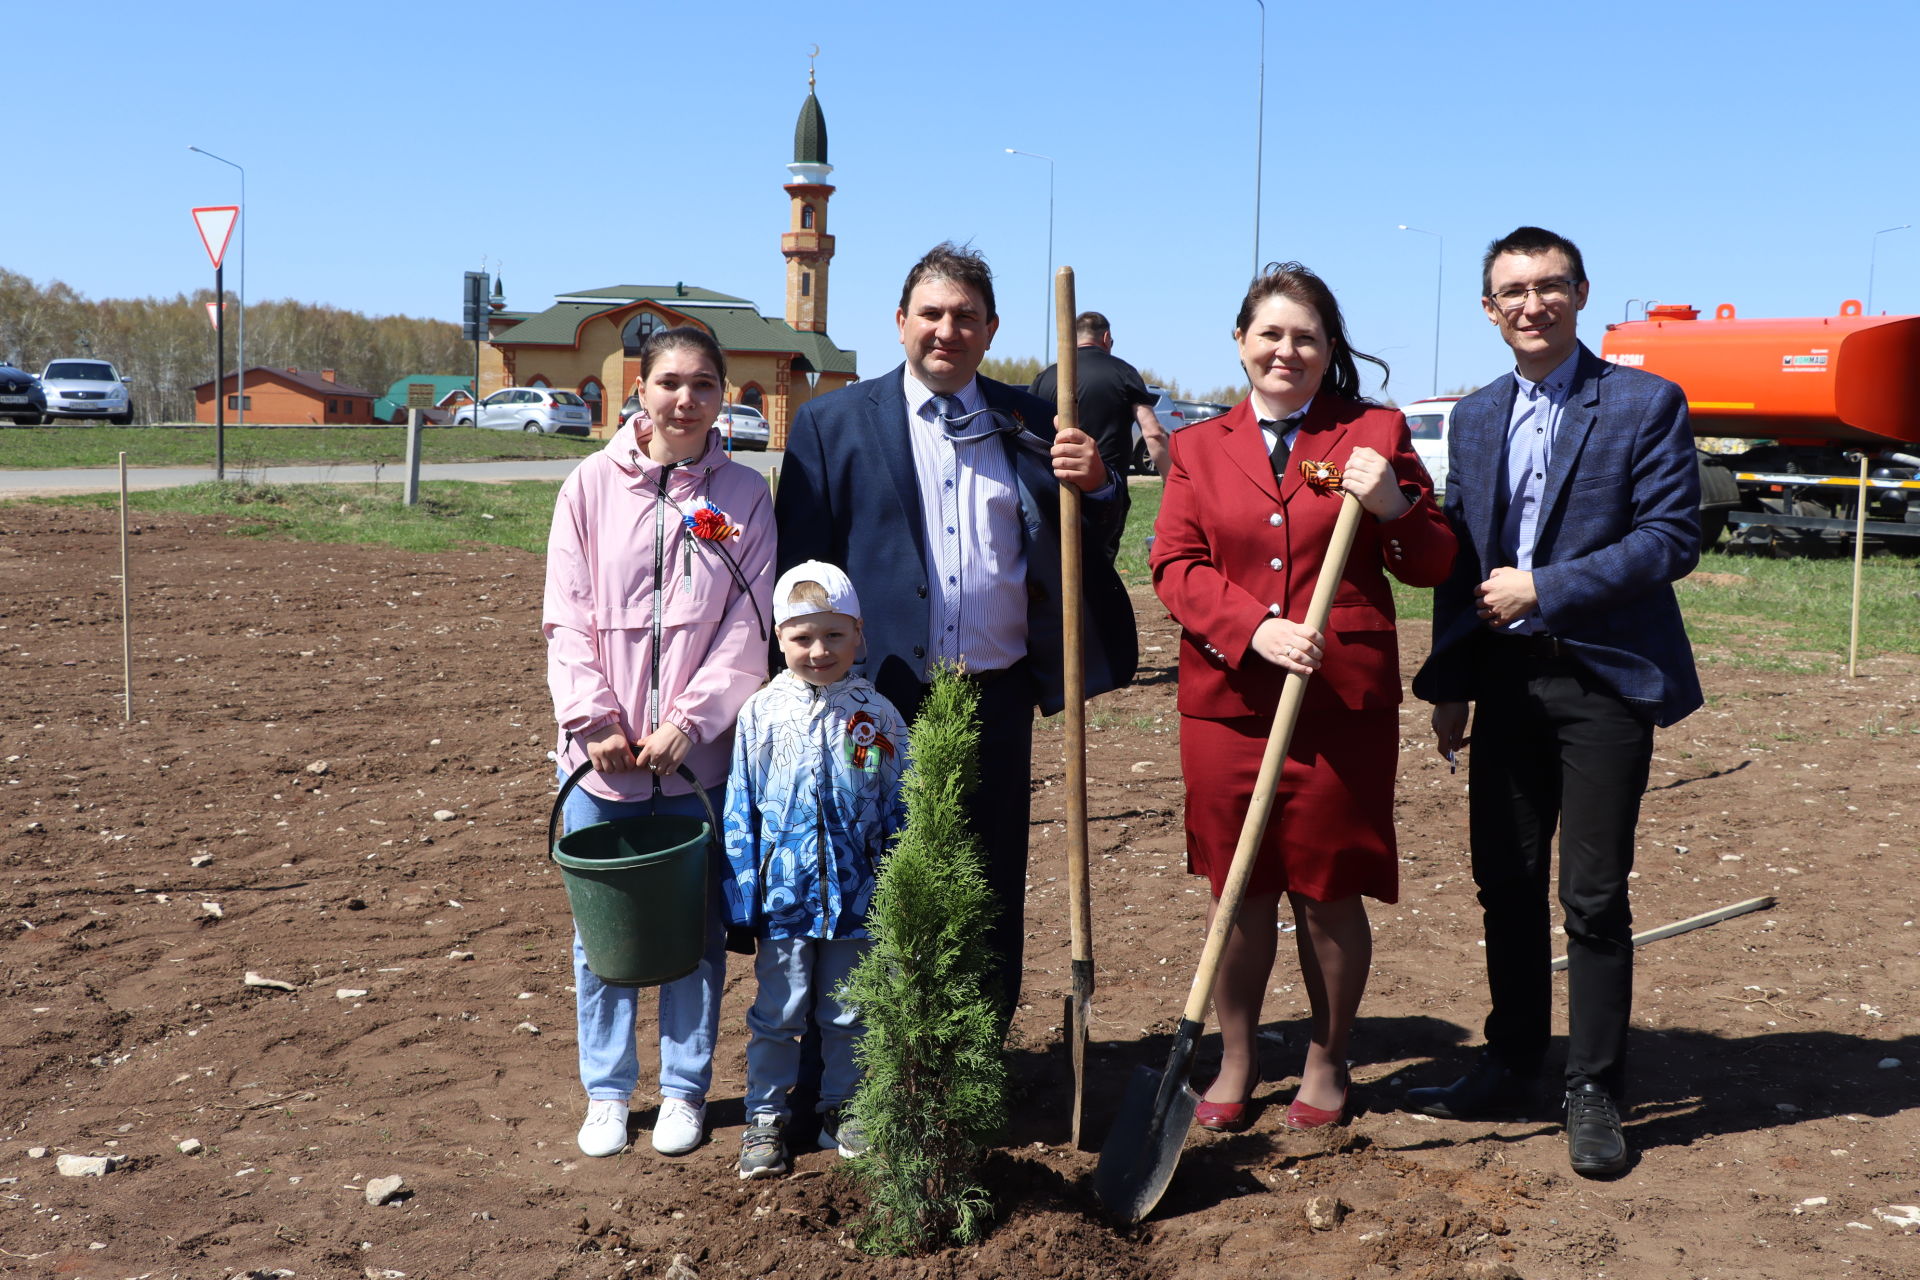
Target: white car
(86, 389)
(744, 427)
(541, 410)
(1429, 420)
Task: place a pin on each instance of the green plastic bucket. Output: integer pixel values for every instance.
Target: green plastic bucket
(638, 889)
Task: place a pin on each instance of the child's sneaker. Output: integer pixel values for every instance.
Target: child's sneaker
(839, 1128)
(763, 1148)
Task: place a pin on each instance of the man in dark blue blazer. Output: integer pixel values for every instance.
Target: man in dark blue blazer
(938, 492)
(1574, 491)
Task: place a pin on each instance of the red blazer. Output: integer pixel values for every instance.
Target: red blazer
(1228, 546)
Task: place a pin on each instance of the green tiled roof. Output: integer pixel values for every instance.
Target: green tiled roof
(819, 348)
(810, 133)
(557, 326)
(667, 293)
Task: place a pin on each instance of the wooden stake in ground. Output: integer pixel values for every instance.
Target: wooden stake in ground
(1074, 673)
(1688, 925)
(126, 617)
(1859, 551)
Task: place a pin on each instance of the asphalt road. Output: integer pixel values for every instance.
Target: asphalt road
(18, 484)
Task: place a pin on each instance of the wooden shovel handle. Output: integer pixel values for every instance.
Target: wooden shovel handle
(1073, 664)
(1284, 718)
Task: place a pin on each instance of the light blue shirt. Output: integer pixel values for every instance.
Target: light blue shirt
(976, 555)
(1537, 410)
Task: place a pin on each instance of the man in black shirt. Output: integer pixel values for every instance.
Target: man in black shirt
(1111, 398)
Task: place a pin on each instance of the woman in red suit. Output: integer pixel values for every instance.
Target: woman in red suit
(1237, 549)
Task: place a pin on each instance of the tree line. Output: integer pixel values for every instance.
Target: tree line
(166, 345)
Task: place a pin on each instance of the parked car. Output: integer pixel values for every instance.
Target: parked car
(744, 427)
(541, 410)
(86, 389)
(1199, 410)
(20, 396)
(1171, 420)
(1429, 421)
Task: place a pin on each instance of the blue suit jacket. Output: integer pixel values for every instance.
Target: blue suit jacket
(848, 495)
(1619, 524)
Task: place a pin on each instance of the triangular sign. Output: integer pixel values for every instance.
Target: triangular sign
(216, 226)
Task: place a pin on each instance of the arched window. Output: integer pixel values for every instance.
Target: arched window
(637, 330)
(537, 381)
(590, 392)
(806, 217)
(752, 397)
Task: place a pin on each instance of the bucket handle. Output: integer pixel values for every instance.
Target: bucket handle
(566, 789)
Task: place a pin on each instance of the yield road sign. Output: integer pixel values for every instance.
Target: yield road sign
(216, 227)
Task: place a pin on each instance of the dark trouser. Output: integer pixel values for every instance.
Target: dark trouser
(999, 812)
(1552, 745)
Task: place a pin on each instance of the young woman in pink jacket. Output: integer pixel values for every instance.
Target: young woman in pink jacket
(659, 575)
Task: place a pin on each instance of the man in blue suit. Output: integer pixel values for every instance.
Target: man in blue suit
(1573, 489)
(938, 492)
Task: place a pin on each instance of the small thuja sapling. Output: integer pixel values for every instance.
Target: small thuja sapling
(933, 1092)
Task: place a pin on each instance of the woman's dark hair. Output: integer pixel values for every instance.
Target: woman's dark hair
(683, 336)
(1291, 280)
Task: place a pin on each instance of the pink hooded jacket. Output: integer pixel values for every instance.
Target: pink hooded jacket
(602, 595)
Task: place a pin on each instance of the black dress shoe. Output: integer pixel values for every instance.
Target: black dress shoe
(1596, 1144)
(1491, 1087)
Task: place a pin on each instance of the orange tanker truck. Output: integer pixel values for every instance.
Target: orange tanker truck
(1801, 401)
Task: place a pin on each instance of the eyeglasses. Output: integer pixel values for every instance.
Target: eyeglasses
(1549, 291)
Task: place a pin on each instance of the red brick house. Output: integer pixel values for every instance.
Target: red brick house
(289, 396)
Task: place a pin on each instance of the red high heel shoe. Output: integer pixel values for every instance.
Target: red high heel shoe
(1301, 1115)
(1227, 1117)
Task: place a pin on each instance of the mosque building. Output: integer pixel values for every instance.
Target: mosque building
(589, 341)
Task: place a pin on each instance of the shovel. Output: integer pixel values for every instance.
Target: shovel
(1074, 679)
(1143, 1148)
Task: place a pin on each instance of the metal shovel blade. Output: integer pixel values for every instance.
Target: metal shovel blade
(1143, 1148)
(1079, 1012)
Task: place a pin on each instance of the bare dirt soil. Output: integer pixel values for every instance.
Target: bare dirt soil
(1773, 1138)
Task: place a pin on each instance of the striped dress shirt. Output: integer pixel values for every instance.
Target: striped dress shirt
(976, 557)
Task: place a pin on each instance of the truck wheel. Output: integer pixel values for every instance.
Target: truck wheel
(1719, 494)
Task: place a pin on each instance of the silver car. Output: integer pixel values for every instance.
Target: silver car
(86, 389)
(744, 427)
(541, 410)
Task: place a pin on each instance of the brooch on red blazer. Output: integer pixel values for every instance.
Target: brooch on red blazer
(1322, 477)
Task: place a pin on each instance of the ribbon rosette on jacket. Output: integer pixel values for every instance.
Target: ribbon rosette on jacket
(710, 524)
(863, 736)
(1323, 477)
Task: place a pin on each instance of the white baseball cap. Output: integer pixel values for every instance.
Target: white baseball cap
(841, 597)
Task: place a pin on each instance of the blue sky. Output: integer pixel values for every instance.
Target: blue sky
(1699, 152)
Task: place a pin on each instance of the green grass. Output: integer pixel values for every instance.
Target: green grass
(1779, 615)
(450, 514)
(40, 448)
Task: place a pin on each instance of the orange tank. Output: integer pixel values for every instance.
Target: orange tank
(1827, 379)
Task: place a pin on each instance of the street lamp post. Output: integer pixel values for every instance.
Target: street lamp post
(1259, 135)
(1015, 151)
(1439, 278)
(241, 375)
(1874, 254)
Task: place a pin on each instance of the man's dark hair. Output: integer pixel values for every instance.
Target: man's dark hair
(1089, 325)
(1530, 241)
(1291, 280)
(961, 264)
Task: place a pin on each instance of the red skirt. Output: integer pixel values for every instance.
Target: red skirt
(1330, 834)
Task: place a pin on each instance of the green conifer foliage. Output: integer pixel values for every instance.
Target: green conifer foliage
(934, 1087)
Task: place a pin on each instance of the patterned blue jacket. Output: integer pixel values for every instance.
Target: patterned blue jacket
(813, 802)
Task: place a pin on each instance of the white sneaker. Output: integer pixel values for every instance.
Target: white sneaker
(680, 1127)
(605, 1132)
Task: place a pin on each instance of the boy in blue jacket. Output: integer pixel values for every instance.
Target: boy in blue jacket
(813, 800)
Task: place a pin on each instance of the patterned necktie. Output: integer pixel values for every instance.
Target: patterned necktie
(945, 410)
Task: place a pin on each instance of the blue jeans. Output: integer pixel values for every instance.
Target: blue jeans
(689, 1007)
(797, 975)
